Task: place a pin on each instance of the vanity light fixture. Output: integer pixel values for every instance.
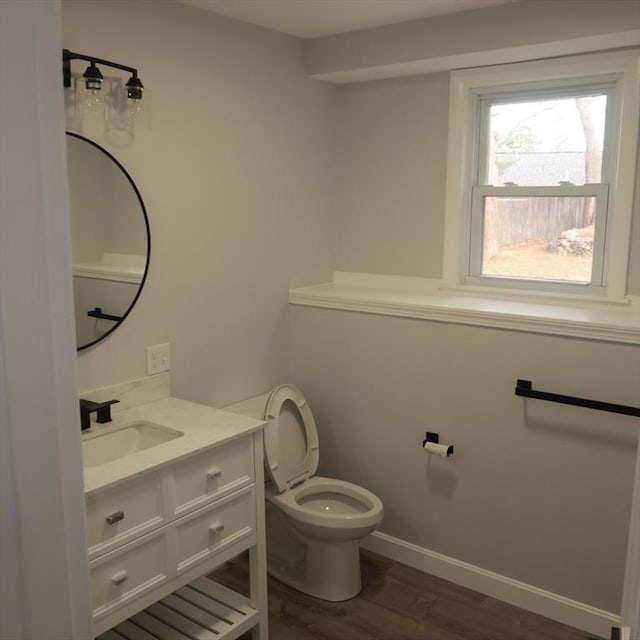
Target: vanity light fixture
(94, 77)
(92, 96)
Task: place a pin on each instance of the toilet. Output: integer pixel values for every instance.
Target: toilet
(313, 524)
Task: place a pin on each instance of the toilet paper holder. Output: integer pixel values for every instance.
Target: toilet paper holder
(434, 438)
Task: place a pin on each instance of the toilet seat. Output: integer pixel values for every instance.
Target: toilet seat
(301, 506)
(291, 438)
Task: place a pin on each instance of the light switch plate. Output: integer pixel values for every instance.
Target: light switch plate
(158, 359)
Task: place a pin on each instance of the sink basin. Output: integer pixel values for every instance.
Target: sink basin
(122, 442)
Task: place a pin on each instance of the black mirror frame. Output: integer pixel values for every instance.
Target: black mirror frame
(148, 230)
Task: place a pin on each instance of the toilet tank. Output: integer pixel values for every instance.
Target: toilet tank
(252, 407)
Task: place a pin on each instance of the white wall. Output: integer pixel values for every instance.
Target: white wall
(391, 158)
(87, 198)
(493, 35)
(240, 178)
(105, 211)
(391, 179)
(234, 176)
(541, 496)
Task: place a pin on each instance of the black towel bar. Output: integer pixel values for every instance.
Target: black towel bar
(524, 389)
(97, 313)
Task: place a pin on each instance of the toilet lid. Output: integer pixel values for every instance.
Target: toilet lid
(290, 439)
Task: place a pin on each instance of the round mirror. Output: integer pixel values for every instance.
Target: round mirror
(110, 240)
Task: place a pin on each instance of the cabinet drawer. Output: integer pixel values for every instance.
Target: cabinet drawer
(127, 573)
(212, 474)
(123, 513)
(204, 532)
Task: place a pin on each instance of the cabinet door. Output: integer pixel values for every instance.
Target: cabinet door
(208, 476)
(122, 513)
(129, 572)
(205, 532)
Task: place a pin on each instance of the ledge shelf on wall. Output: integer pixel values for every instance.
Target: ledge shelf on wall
(427, 299)
(116, 267)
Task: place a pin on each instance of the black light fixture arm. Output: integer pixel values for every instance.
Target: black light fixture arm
(68, 56)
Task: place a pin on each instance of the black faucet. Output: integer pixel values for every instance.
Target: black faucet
(102, 409)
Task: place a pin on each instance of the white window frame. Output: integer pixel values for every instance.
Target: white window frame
(611, 247)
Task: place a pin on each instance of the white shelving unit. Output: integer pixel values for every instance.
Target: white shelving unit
(153, 539)
(203, 609)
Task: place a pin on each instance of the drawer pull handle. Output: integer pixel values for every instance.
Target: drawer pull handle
(115, 517)
(216, 527)
(214, 473)
(119, 578)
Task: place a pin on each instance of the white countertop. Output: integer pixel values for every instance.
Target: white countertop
(203, 427)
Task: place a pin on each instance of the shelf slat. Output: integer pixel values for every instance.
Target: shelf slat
(209, 620)
(130, 631)
(213, 606)
(194, 630)
(157, 628)
(202, 610)
(222, 594)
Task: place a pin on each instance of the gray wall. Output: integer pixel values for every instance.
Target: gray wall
(234, 176)
(392, 159)
(253, 177)
(491, 35)
(541, 495)
(536, 492)
(390, 191)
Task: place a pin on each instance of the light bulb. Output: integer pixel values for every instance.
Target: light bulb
(93, 100)
(134, 107)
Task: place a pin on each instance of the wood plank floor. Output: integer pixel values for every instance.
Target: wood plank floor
(396, 603)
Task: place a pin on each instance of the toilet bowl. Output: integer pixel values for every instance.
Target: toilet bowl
(313, 524)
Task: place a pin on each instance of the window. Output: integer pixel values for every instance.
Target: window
(540, 175)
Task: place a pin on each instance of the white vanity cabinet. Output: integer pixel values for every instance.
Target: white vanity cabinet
(152, 538)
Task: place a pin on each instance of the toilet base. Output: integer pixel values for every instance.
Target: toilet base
(319, 556)
(330, 571)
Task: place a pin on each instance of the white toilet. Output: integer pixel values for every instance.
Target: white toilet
(313, 523)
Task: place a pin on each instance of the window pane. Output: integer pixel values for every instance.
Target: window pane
(539, 237)
(546, 142)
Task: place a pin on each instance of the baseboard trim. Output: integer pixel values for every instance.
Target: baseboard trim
(545, 603)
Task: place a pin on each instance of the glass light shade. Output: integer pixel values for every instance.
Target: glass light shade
(91, 101)
(73, 109)
(124, 115)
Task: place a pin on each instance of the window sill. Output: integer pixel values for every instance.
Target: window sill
(425, 299)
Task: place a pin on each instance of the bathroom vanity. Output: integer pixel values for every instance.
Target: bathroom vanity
(173, 490)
